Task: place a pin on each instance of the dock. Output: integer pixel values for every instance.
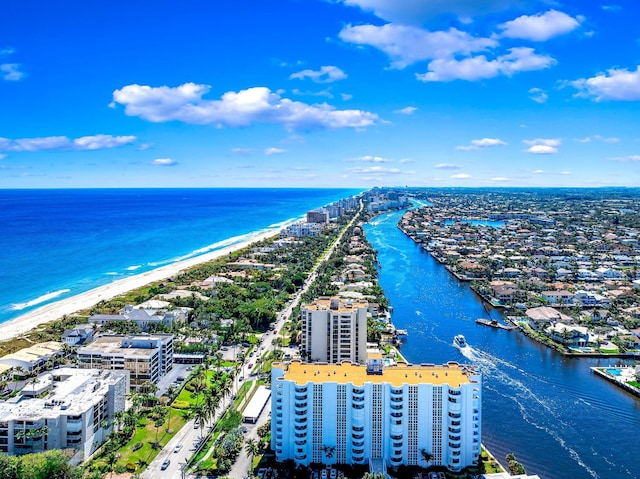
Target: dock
(494, 323)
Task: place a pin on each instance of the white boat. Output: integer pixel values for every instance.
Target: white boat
(460, 341)
(402, 333)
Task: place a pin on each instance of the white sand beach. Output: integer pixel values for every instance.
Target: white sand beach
(53, 311)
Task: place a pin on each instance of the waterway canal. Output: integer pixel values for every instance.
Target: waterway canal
(561, 421)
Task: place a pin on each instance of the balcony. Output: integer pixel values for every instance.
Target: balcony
(454, 438)
(301, 405)
(396, 414)
(358, 436)
(357, 443)
(301, 420)
(301, 442)
(301, 397)
(455, 430)
(357, 428)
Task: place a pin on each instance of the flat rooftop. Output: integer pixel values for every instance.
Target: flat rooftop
(451, 374)
(324, 304)
(72, 394)
(113, 345)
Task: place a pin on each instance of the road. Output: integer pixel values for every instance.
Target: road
(188, 435)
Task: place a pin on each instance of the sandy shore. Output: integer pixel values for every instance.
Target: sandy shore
(53, 311)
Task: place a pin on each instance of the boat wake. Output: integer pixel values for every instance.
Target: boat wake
(524, 389)
(38, 300)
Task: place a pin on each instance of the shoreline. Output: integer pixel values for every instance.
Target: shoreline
(56, 310)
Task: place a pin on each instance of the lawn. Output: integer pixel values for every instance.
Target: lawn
(146, 434)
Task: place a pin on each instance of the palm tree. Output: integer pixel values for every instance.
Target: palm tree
(200, 416)
(252, 447)
(426, 456)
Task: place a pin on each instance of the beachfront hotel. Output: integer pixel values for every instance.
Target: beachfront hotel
(378, 415)
(334, 330)
(77, 412)
(147, 357)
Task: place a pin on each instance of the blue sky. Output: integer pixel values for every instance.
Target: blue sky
(319, 93)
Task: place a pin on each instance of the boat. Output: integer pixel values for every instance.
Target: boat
(402, 333)
(460, 341)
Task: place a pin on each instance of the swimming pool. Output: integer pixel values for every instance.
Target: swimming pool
(613, 372)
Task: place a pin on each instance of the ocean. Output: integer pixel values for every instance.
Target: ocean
(59, 243)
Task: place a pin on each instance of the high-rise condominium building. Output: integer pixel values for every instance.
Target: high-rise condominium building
(334, 330)
(397, 415)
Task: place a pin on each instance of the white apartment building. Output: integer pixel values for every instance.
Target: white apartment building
(352, 414)
(334, 330)
(77, 413)
(147, 357)
(300, 230)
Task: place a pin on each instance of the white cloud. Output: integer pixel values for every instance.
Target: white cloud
(406, 45)
(369, 159)
(254, 105)
(11, 71)
(2, 156)
(94, 142)
(539, 27)
(538, 172)
(612, 8)
(543, 146)
(542, 149)
(274, 151)
(538, 95)
(500, 179)
(480, 68)
(583, 140)
(164, 162)
(460, 176)
(326, 74)
(617, 84)
(566, 172)
(346, 96)
(482, 143)
(406, 160)
(409, 110)
(241, 151)
(447, 166)
(379, 170)
(627, 159)
(417, 11)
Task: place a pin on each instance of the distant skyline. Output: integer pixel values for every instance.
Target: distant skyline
(319, 93)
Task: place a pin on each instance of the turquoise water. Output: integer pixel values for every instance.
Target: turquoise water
(560, 420)
(614, 372)
(59, 243)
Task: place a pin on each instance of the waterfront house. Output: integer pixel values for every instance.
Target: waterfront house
(569, 334)
(544, 316)
(562, 297)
